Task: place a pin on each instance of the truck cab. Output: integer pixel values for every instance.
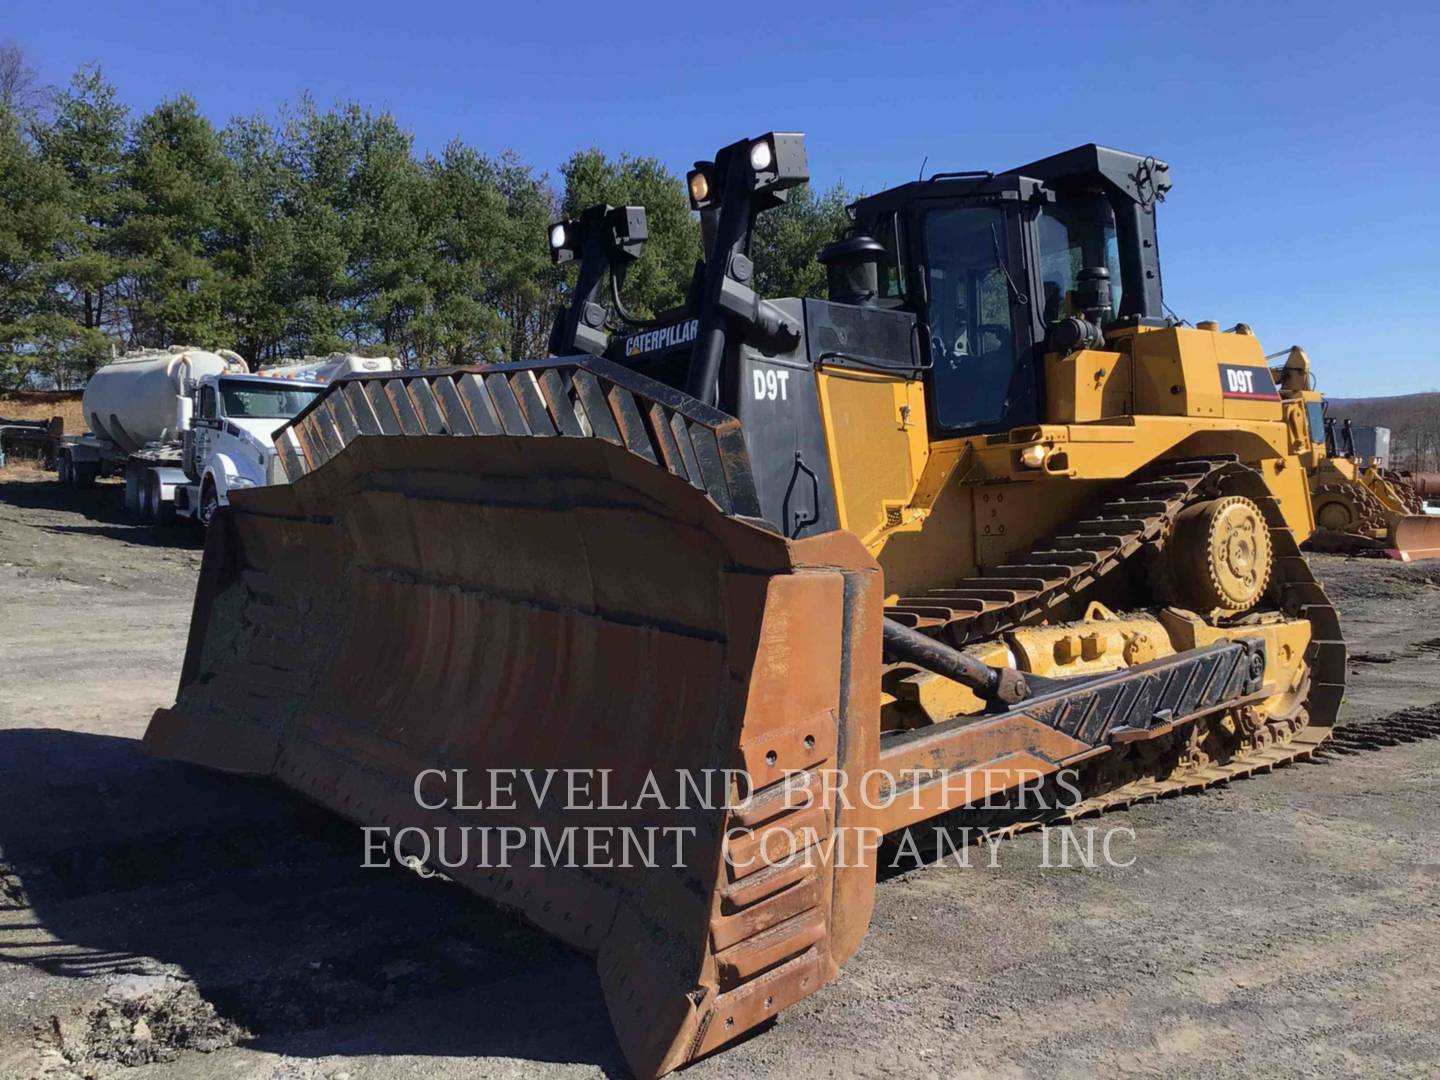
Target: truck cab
(227, 444)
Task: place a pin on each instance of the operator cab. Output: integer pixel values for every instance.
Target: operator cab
(965, 280)
(1000, 269)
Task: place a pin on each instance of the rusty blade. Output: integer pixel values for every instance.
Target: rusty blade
(512, 602)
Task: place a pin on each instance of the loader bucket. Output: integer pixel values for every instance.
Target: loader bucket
(1414, 537)
(502, 571)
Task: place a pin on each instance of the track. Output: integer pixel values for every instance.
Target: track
(1131, 521)
(1395, 729)
(1031, 584)
(1128, 525)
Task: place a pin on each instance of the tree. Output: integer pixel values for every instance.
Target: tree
(318, 153)
(467, 225)
(313, 231)
(177, 173)
(35, 220)
(21, 93)
(525, 293)
(86, 141)
(389, 255)
(255, 251)
(789, 238)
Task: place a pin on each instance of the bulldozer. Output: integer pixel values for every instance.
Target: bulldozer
(1361, 505)
(982, 539)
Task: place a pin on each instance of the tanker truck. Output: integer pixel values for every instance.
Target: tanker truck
(185, 426)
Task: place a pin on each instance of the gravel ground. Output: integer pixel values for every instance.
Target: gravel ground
(158, 921)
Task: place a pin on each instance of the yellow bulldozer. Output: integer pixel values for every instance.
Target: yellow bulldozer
(787, 580)
(1362, 506)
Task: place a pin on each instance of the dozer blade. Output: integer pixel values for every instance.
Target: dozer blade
(571, 591)
(1413, 537)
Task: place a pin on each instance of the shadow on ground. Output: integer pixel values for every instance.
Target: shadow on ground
(104, 504)
(131, 866)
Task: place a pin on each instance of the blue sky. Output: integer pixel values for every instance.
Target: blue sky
(1302, 137)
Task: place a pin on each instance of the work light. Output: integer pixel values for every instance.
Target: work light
(564, 242)
(698, 182)
(777, 159)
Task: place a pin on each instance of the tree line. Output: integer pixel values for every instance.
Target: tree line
(308, 232)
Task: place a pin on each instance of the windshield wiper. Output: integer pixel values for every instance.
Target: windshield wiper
(1016, 296)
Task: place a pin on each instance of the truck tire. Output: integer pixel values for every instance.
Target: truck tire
(65, 468)
(209, 503)
(135, 483)
(160, 511)
(86, 472)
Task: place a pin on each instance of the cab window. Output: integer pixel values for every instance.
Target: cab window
(258, 401)
(1074, 235)
(1315, 419)
(892, 265)
(207, 402)
(972, 337)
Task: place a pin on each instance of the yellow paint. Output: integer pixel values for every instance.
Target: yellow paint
(936, 511)
(875, 428)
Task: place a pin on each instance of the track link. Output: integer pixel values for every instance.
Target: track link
(1030, 584)
(1396, 729)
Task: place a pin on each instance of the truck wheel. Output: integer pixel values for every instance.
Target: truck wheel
(135, 492)
(65, 469)
(209, 503)
(85, 473)
(160, 511)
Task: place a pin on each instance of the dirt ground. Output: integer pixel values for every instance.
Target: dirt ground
(158, 921)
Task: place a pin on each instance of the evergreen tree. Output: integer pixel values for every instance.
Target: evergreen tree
(177, 175)
(525, 289)
(466, 215)
(319, 153)
(317, 231)
(86, 141)
(388, 253)
(255, 250)
(789, 237)
(35, 221)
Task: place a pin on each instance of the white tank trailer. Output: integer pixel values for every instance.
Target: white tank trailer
(187, 426)
(140, 399)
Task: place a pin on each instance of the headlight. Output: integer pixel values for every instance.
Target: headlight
(761, 156)
(239, 482)
(1032, 457)
(557, 235)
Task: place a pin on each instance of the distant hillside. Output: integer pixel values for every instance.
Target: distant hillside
(1413, 420)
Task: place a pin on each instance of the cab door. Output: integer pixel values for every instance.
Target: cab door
(206, 426)
(977, 324)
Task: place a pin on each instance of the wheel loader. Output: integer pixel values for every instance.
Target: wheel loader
(981, 540)
(1362, 506)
